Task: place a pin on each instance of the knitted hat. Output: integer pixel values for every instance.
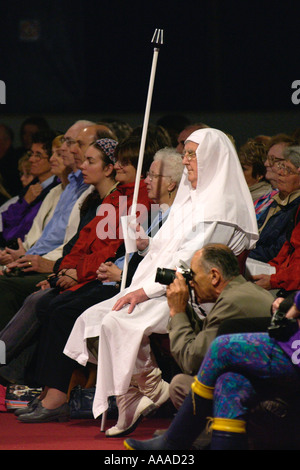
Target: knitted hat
(108, 147)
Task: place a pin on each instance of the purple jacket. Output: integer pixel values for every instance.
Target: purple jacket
(18, 218)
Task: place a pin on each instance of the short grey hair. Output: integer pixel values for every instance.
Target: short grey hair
(216, 255)
(292, 154)
(171, 161)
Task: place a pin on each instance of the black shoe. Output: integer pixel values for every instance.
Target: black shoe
(42, 415)
(158, 443)
(31, 406)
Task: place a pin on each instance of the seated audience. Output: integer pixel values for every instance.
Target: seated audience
(96, 249)
(18, 218)
(24, 168)
(29, 127)
(25, 177)
(252, 156)
(287, 275)
(47, 208)
(185, 132)
(162, 182)
(275, 146)
(275, 221)
(38, 261)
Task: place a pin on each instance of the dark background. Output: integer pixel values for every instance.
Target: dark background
(95, 57)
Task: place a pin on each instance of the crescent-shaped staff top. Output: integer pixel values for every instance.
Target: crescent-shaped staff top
(158, 37)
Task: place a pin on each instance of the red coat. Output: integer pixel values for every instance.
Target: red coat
(100, 238)
(287, 263)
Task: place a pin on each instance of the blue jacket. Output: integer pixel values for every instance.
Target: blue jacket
(274, 234)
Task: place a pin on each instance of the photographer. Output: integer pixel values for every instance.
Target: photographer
(215, 278)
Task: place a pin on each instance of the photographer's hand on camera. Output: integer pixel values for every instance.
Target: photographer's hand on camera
(177, 295)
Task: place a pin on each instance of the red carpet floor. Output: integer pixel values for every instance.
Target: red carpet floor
(74, 434)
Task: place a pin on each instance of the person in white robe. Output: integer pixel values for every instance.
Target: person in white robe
(213, 204)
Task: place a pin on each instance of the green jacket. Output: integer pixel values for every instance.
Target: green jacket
(190, 337)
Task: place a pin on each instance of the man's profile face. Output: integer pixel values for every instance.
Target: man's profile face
(202, 281)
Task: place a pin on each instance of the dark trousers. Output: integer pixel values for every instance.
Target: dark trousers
(13, 292)
(57, 313)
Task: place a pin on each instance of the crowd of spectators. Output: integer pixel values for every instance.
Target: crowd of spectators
(84, 227)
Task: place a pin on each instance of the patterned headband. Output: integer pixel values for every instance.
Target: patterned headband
(108, 147)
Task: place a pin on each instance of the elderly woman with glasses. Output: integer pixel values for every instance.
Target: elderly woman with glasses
(212, 203)
(275, 221)
(286, 263)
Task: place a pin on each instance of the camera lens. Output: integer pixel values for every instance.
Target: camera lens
(165, 276)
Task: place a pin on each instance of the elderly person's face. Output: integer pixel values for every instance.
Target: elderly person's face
(288, 177)
(203, 282)
(157, 182)
(275, 155)
(189, 159)
(84, 139)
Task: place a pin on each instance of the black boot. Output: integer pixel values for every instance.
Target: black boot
(228, 434)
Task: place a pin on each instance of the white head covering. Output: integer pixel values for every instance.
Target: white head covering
(221, 196)
(221, 187)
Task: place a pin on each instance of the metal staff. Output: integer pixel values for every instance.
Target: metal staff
(157, 40)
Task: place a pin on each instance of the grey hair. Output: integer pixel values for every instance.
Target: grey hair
(171, 163)
(292, 154)
(215, 255)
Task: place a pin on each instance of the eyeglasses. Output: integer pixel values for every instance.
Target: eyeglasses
(153, 176)
(68, 141)
(190, 155)
(273, 160)
(286, 171)
(38, 156)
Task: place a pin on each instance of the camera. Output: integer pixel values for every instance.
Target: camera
(166, 276)
(53, 281)
(282, 328)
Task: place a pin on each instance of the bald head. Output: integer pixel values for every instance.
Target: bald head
(85, 138)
